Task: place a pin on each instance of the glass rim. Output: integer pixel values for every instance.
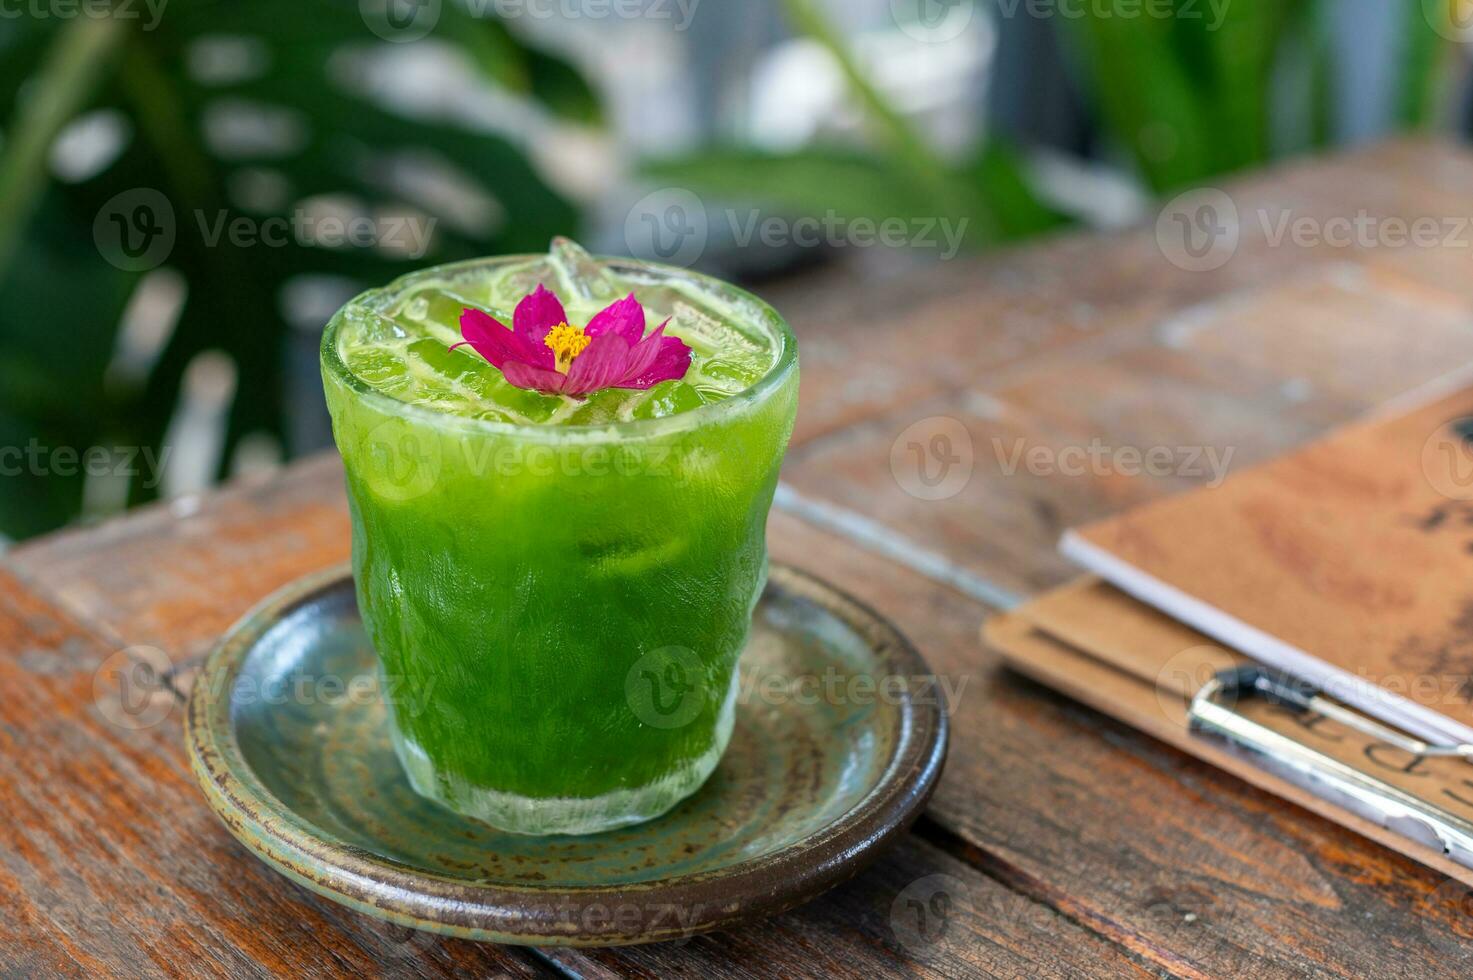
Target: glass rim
(782, 366)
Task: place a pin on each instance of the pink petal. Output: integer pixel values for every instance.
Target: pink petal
(625, 318)
(488, 337)
(538, 313)
(601, 365)
(534, 378)
(491, 339)
(671, 361)
(642, 357)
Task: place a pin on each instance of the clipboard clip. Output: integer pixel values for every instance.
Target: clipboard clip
(1290, 692)
(1213, 714)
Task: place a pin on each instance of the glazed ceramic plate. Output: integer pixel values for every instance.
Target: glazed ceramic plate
(839, 741)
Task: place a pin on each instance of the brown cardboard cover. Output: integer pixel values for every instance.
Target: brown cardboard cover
(1348, 562)
(1125, 659)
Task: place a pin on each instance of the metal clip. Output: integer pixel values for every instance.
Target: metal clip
(1212, 714)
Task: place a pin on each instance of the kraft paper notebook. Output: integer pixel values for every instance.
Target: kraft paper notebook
(1134, 663)
(1347, 563)
(1092, 642)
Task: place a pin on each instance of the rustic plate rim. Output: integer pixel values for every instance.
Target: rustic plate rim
(504, 913)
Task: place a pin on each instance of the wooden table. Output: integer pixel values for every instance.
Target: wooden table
(1071, 846)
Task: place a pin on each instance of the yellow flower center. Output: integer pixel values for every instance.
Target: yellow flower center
(566, 342)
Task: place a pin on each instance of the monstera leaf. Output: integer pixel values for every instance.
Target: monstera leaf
(234, 157)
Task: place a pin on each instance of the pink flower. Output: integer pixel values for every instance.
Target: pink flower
(544, 352)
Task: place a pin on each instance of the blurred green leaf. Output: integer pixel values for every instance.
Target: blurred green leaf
(905, 147)
(530, 71)
(809, 181)
(996, 177)
(905, 178)
(241, 115)
(1190, 98)
(1244, 51)
(988, 193)
(1425, 58)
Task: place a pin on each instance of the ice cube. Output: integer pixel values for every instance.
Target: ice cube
(367, 327)
(731, 376)
(601, 408)
(712, 335)
(432, 310)
(517, 281)
(666, 398)
(582, 277)
(381, 367)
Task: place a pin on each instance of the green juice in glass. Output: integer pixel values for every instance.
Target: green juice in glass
(558, 588)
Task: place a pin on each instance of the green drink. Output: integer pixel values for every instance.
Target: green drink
(558, 586)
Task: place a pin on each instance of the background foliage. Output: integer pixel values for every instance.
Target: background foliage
(305, 126)
(1182, 97)
(1190, 101)
(1176, 100)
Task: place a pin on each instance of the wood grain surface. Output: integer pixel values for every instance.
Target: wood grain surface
(1078, 847)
